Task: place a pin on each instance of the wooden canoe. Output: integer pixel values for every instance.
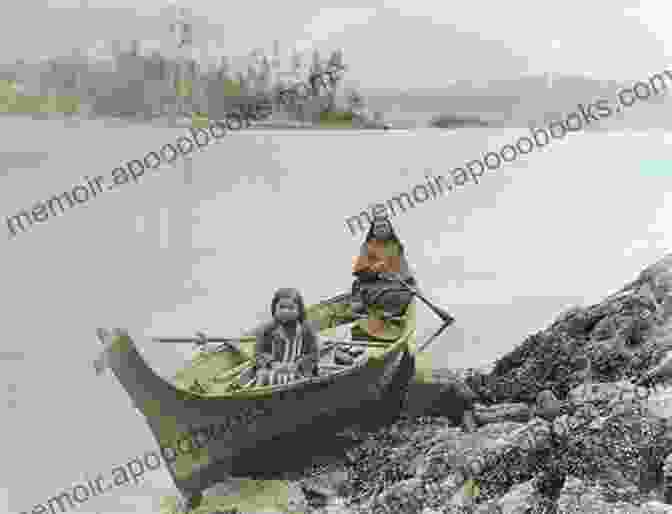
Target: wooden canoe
(201, 424)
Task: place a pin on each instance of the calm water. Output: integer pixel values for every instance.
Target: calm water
(562, 226)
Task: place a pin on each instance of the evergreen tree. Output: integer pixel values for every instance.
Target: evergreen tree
(335, 66)
(335, 62)
(316, 66)
(297, 63)
(265, 75)
(279, 86)
(355, 101)
(243, 84)
(336, 59)
(315, 73)
(223, 72)
(252, 77)
(276, 54)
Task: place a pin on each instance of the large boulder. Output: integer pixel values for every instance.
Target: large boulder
(579, 497)
(620, 338)
(611, 435)
(439, 392)
(519, 500)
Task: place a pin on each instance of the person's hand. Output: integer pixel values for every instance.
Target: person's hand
(390, 275)
(263, 360)
(284, 368)
(358, 307)
(264, 377)
(377, 266)
(281, 373)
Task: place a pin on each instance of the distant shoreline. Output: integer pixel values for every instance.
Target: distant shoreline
(181, 122)
(453, 121)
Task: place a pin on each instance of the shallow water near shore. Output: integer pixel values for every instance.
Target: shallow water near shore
(564, 225)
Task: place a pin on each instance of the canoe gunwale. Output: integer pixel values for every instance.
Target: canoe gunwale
(265, 392)
(268, 391)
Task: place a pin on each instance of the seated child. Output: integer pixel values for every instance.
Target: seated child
(287, 347)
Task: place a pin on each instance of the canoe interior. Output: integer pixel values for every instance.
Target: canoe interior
(211, 374)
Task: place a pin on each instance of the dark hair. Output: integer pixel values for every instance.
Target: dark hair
(294, 294)
(393, 234)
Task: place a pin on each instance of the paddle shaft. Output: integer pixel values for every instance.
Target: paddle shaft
(196, 340)
(441, 313)
(436, 334)
(447, 318)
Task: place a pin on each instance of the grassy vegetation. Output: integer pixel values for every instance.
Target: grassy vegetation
(183, 88)
(232, 88)
(336, 119)
(200, 120)
(15, 103)
(338, 116)
(252, 496)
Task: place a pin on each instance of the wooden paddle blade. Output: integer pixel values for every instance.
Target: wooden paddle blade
(101, 334)
(441, 313)
(100, 363)
(444, 315)
(436, 334)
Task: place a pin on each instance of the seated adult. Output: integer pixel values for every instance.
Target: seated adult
(379, 267)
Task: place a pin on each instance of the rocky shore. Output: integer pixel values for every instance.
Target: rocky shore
(562, 424)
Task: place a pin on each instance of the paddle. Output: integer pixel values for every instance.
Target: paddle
(201, 340)
(329, 344)
(441, 313)
(434, 336)
(335, 299)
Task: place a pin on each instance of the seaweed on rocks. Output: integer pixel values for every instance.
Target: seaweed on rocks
(389, 456)
(608, 341)
(616, 443)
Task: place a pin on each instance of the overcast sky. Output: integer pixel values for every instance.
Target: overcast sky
(414, 45)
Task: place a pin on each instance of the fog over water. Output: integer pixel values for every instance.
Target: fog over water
(561, 226)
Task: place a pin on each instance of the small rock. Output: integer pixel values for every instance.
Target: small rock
(419, 465)
(655, 507)
(547, 405)
(336, 506)
(615, 479)
(578, 498)
(500, 412)
(519, 499)
(296, 500)
(466, 495)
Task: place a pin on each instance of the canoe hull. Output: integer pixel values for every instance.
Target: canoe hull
(201, 437)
